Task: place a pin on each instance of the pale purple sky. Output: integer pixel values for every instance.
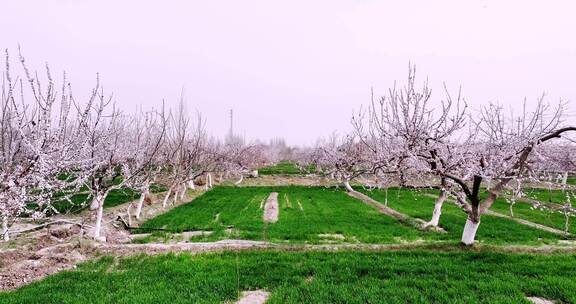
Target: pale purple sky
(297, 69)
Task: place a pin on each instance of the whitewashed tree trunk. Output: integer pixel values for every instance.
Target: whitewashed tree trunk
(5, 234)
(209, 180)
(191, 185)
(469, 233)
(98, 226)
(129, 215)
(567, 218)
(183, 193)
(175, 199)
(565, 178)
(437, 210)
(240, 180)
(99, 201)
(141, 202)
(166, 197)
(347, 185)
(95, 201)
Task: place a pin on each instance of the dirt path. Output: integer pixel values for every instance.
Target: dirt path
(271, 208)
(287, 180)
(226, 245)
(157, 248)
(528, 223)
(419, 223)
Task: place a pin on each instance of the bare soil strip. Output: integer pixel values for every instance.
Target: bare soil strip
(158, 248)
(284, 180)
(527, 223)
(65, 256)
(254, 297)
(386, 210)
(271, 208)
(224, 245)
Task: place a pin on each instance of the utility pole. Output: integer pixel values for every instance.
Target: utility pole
(231, 135)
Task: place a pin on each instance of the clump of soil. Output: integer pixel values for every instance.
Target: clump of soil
(254, 297)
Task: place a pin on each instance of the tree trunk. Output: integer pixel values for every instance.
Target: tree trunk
(402, 179)
(5, 234)
(175, 200)
(95, 201)
(191, 184)
(100, 203)
(565, 178)
(437, 210)
(166, 197)
(183, 193)
(129, 216)
(98, 226)
(240, 180)
(469, 233)
(208, 181)
(567, 219)
(141, 202)
(347, 185)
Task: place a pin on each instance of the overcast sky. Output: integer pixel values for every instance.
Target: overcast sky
(297, 69)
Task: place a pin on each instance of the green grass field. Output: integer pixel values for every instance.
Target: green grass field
(492, 229)
(445, 272)
(285, 168)
(305, 212)
(308, 212)
(312, 277)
